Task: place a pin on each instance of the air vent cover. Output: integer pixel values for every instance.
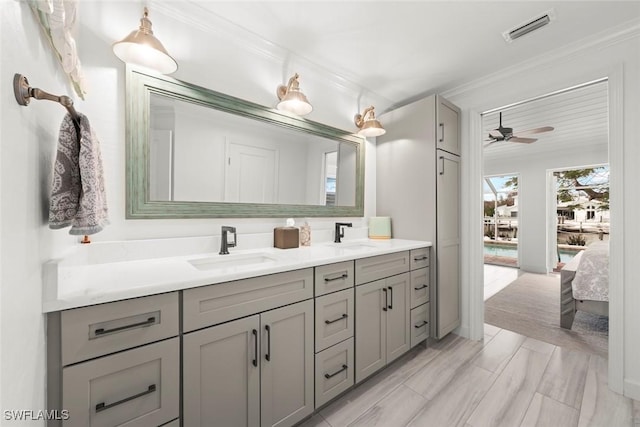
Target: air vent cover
(529, 26)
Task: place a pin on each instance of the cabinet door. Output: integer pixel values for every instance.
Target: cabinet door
(371, 308)
(448, 244)
(221, 375)
(287, 364)
(447, 134)
(398, 316)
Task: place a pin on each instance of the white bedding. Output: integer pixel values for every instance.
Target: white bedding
(592, 276)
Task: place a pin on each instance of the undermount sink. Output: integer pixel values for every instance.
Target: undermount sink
(230, 261)
(354, 246)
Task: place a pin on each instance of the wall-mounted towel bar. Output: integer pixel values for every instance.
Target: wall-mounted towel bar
(24, 93)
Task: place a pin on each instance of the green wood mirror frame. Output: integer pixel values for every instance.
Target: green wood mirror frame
(139, 87)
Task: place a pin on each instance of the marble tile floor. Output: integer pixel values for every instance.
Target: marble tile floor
(506, 380)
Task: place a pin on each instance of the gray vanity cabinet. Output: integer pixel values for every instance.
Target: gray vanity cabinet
(382, 323)
(423, 141)
(256, 371)
(221, 375)
(116, 363)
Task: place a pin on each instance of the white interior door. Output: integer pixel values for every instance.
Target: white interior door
(251, 174)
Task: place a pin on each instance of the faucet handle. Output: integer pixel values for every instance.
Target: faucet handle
(232, 241)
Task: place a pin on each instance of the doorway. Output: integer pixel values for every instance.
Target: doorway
(561, 131)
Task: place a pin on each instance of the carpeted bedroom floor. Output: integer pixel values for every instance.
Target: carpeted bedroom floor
(531, 306)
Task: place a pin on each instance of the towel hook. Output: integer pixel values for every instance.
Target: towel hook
(23, 93)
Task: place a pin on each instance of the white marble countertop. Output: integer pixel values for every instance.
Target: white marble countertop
(79, 281)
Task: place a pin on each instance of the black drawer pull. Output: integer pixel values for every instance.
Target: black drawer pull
(391, 292)
(327, 376)
(102, 331)
(424, 322)
(421, 287)
(344, 316)
(424, 257)
(386, 299)
(103, 406)
(343, 276)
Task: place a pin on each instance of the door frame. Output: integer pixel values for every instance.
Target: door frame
(472, 227)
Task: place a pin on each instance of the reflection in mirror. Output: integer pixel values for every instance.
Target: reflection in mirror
(200, 154)
(196, 153)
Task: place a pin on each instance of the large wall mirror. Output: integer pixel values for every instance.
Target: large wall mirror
(196, 153)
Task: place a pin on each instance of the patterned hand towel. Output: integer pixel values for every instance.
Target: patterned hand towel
(78, 197)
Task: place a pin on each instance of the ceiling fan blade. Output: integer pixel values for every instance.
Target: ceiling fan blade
(522, 140)
(495, 134)
(490, 143)
(536, 130)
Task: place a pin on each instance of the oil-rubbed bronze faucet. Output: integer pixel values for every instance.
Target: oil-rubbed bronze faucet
(225, 244)
(340, 230)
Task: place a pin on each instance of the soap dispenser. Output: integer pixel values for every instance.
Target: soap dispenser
(305, 234)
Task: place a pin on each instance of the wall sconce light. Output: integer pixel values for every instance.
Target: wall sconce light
(368, 124)
(291, 99)
(141, 47)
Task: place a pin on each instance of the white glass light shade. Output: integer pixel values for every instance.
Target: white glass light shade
(295, 102)
(141, 48)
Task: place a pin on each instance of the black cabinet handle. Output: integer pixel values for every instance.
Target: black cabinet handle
(424, 322)
(255, 347)
(344, 316)
(421, 259)
(102, 331)
(327, 376)
(103, 406)
(385, 299)
(421, 287)
(391, 292)
(442, 127)
(268, 354)
(343, 276)
(442, 171)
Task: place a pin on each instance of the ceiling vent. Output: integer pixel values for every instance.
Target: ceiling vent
(527, 27)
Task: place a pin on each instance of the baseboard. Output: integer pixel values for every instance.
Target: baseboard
(632, 389)
(462, 331)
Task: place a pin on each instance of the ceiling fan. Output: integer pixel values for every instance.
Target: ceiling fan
(506, 134)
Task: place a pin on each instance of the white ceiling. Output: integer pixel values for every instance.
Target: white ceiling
(579, 118)
(399, 50)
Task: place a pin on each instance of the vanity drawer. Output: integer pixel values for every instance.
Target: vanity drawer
(419, 287)
(334, 318)
(419, 258)
(334, 277)
(138, 387)
(98, 330)
(210, 305)
(381, 266)
(334, 371)
(419, 324)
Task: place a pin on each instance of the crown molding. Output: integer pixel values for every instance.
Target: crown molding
(195, 15)
(603, 39)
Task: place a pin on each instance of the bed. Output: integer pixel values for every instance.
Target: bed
(584, 284)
